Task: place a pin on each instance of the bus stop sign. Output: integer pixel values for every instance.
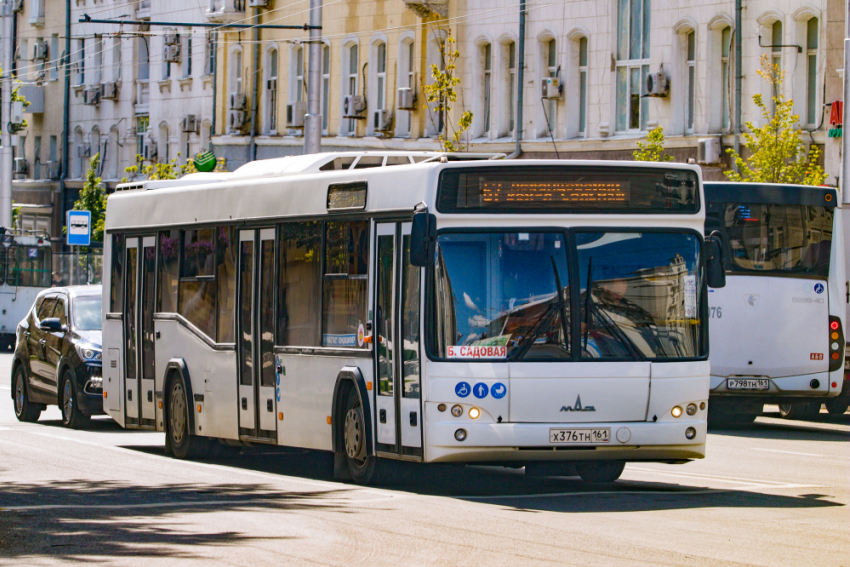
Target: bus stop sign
(79, 228)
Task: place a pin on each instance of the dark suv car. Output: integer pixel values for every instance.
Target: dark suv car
(58, 356)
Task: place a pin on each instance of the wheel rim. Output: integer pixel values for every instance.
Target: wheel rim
(19, 395)
(178, 413)
(67, 400)
(354, 446)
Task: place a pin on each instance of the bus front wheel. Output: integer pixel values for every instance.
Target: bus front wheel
(600, 471)
(184, 445)
(361, 466)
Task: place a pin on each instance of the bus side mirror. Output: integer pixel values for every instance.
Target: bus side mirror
(423, 239)
(714, 268)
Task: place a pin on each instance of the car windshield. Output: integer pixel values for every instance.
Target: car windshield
(497, 296)
(776, 239)
(645, 295)
(87, 312)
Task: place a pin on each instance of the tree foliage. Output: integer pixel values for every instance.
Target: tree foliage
(93, 198)
(653, 149)
(777, 153)
(155, 171)
(442, 95)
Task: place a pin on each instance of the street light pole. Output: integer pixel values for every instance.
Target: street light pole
(313, 119)
(6, 138)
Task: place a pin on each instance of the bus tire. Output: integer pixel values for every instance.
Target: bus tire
(361, 466)
(600, 471)
(838, 405)
(25, 410)
(184, 445)
(71, 415)
(799, 411)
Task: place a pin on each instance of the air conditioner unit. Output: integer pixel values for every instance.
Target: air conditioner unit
(382, 120)
(551, 87)
(17, 5)
(17, 115)
(353, 106)
(708, 151)
(20, 166)
(91, 96)
(238, 101)
(40, 51)
(271, 85)
(171, 53)
(258, 3)
(189, 124)
(172, 38)
(238, 118)
(657, 84)
(406, 99)
(109, 91)
(54, 168)
(84, 150)
(295, 112)
(149, 149)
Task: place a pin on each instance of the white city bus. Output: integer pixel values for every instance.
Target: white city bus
(777, 327)
(25, 270)
(415, 306)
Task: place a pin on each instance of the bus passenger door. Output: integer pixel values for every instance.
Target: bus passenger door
(396, 344)
(131, 374)
(255, 332)
(138, 329)
(147, 284)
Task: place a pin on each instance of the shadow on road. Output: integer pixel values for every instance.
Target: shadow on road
(99, 424)
(797, 430)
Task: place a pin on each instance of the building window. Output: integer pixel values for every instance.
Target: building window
(142, 124)
(381, 76)
(551, 106)
(632, 64)
(144, 61)
(164, 154)
(297, 84)
(488, 77)
(271, 92)
(209, 55)
(187, 56)
(812, 71)
(406, 78)
(776, 45)
(54, 55)
(326, 87)
(582, 86)
(350, 80)
(54, 141)
(98, 59)
(691, 92)
(116, 58)
(81, 62)
(511, 86)
(236, 72)
(725, 48)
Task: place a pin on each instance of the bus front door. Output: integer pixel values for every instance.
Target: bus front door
(396, 344)
(255, 335)
(138, 330)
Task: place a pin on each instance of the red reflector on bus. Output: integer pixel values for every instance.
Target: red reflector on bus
(834, 325)
(835, 356)
(835, 384)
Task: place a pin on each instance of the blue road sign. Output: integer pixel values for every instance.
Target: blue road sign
(79, 228)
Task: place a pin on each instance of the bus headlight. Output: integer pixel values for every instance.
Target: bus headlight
(677, 411)
(474, 413)
(691, 409)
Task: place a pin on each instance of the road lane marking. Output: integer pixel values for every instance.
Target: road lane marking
(788, 452)
(594, 493)
(749, 482)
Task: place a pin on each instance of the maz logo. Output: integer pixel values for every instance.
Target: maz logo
(578, 407)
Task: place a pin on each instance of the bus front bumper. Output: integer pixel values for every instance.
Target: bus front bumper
(511, 442)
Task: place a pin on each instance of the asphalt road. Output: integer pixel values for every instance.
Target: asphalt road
(772, 494)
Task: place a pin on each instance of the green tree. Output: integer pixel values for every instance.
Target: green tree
(156, 171)
(653, 149)
(776, 150)
(93, 198)
(442, 94)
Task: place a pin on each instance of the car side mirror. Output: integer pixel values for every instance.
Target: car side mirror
(51, 324)
(423, 239)
(714, 265)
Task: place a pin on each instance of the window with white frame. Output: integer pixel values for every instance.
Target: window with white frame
(350, 79)
(511, 86)
(209, 55)
(54, 57)
(582, 86)
(81, 61)
(326, 87)
(143, 61)
(187, 53)
(812, 72)
(166, 65)
(297, 80)
(488, 81)
(381, 76)
(725, 78)
(162, 146)
(406, 79)
(633, 32)
(142, 125)
(236, 72)
(271, 92)
(98, 59)
(116, 58)
(37, 11)
(776, 44)
(551, 105)
(690, 94)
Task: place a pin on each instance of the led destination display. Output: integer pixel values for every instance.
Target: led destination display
(505, 191)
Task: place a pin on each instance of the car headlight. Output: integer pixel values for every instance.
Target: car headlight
(88, 352)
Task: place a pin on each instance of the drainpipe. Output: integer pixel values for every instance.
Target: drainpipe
(255, 85)
(520, 81)
(738, 77)
(215, 89)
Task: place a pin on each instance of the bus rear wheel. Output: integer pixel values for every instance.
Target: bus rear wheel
(184, 445)
(361, 466)
(799, 411)
(837, 406)
(600, 471)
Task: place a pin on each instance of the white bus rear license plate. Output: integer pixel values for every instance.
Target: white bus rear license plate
(747, 384)
(600, 435)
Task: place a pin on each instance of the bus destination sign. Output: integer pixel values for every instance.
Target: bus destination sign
(565, 192)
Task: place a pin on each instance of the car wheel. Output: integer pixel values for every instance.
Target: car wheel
(799, 411)
(600, 471)
(361, 466)
(24, 409)
(837, 406)
(184, 445)
(71, 415)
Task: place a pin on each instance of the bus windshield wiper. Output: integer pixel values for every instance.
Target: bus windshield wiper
(532, 333)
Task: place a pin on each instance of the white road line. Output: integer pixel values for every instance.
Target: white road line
(788, 452)
(748, 482)
(596, 493)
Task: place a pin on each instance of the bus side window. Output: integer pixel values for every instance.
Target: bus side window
(344, 283)
(116, 291)
(300, 284)
(225, 273)
(169, 262)
(197, 280)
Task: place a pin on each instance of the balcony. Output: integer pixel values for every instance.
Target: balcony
(225, 11)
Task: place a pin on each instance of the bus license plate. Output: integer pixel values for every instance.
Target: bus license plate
(747, 384)
(600, 435)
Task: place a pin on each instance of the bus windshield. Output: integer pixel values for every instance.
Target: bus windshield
(777, 239)
(507, 296)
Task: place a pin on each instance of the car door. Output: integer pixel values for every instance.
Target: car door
(53, 343)
(36, 343)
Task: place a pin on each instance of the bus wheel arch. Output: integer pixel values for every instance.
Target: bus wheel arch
(183, 444)
(351, 415)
